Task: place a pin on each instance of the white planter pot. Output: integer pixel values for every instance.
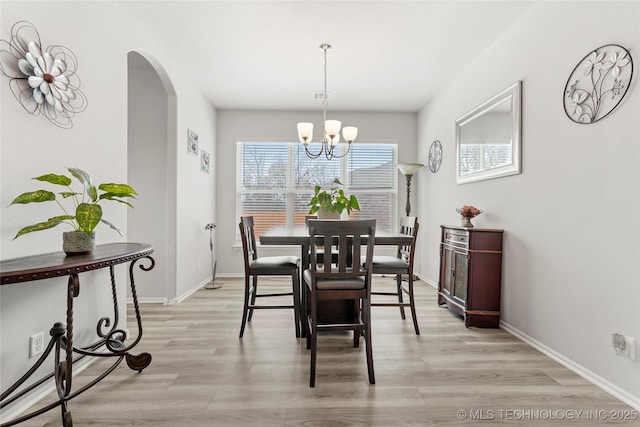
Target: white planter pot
(78, 242)
(322, 214)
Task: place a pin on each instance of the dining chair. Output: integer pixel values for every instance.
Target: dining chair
(399, 265)
(255, 266)
(341, 282)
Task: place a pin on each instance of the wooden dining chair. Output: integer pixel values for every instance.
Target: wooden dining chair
(399, 265)
(344, 282)
(255, 266)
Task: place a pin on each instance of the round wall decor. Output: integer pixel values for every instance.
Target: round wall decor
(598, 83)
(43, 79)
(435, 156)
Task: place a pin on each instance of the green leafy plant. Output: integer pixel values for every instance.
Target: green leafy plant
(334, 200)
(87, 210)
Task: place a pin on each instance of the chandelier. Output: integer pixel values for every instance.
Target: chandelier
(331, 134)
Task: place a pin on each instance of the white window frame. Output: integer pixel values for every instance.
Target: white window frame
(290, 189)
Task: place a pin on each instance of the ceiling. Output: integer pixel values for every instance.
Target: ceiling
(390, 56)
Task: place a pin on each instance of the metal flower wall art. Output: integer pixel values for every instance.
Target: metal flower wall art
(598, 83)
(43, 80)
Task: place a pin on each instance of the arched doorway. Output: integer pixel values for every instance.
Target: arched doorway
(152, 172)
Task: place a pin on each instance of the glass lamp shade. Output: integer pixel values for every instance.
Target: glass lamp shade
(409, 169)
(350, 133)
(305, 132)
(332, 127)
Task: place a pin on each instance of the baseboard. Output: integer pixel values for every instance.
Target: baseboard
(428, 281)
(230, 275)
(152, 300)
(612, 389)
(27, 403)
(184, 296)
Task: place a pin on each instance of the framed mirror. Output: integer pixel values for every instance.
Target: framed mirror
(488, 138)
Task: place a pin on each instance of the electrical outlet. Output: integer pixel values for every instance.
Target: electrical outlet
(624, 346)
(630, 347)
(36, 344)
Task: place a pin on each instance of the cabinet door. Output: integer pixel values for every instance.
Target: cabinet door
(447, 271)
(460, 278)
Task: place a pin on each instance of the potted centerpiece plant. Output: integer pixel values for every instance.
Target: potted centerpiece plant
(85, 212)
(467, 213)
(328, 204)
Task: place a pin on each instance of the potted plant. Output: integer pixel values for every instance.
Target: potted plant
(467, 212)
(86, 213)
(332, 203)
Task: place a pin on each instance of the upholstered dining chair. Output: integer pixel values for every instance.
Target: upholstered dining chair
(399, 265)
(255, 266)
(342, 284)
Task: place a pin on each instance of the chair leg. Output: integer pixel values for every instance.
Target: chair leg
(413, 305)
(369, 347)
(245, 309)
(295, 279)
(307, 315)
(304, 312)
(253, 292)
(399, 288)
(313, 339)
(357, 314)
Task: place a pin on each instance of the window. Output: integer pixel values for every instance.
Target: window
(275, 181)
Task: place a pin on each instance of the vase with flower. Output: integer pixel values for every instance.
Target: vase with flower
(467, 212)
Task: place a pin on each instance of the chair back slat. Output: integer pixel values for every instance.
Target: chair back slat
(348, 237)
(248, 237)
(408, 225)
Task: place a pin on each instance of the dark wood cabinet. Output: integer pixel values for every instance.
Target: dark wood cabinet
(471, 274)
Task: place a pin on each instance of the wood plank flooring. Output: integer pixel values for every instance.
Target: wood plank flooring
(202, 374)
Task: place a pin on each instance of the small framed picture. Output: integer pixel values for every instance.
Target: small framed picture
(205, 159)
(192, 142)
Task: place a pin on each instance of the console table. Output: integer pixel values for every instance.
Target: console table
(111, 340)
(471, 274)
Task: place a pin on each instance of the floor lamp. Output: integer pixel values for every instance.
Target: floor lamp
(212, 284)
(408, 170)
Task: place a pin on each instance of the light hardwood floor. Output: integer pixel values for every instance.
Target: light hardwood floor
(202, 374)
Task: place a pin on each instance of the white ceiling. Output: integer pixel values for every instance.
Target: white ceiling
(386, 55)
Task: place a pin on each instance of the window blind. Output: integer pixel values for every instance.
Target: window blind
(275, 181)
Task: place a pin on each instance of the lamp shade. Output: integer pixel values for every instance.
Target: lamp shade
(305, 132)
(408, 169)
(349, 133)
(332, 127)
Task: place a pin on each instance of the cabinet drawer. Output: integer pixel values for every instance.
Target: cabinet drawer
(456, 238)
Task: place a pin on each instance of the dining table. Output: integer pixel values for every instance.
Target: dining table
(298, 235)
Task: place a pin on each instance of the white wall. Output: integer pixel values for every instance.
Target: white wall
(281, 125)
(195, 193)
(100, 35)
(570, 274)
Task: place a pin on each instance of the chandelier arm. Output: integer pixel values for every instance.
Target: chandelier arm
(312, 155)
(329, 152)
